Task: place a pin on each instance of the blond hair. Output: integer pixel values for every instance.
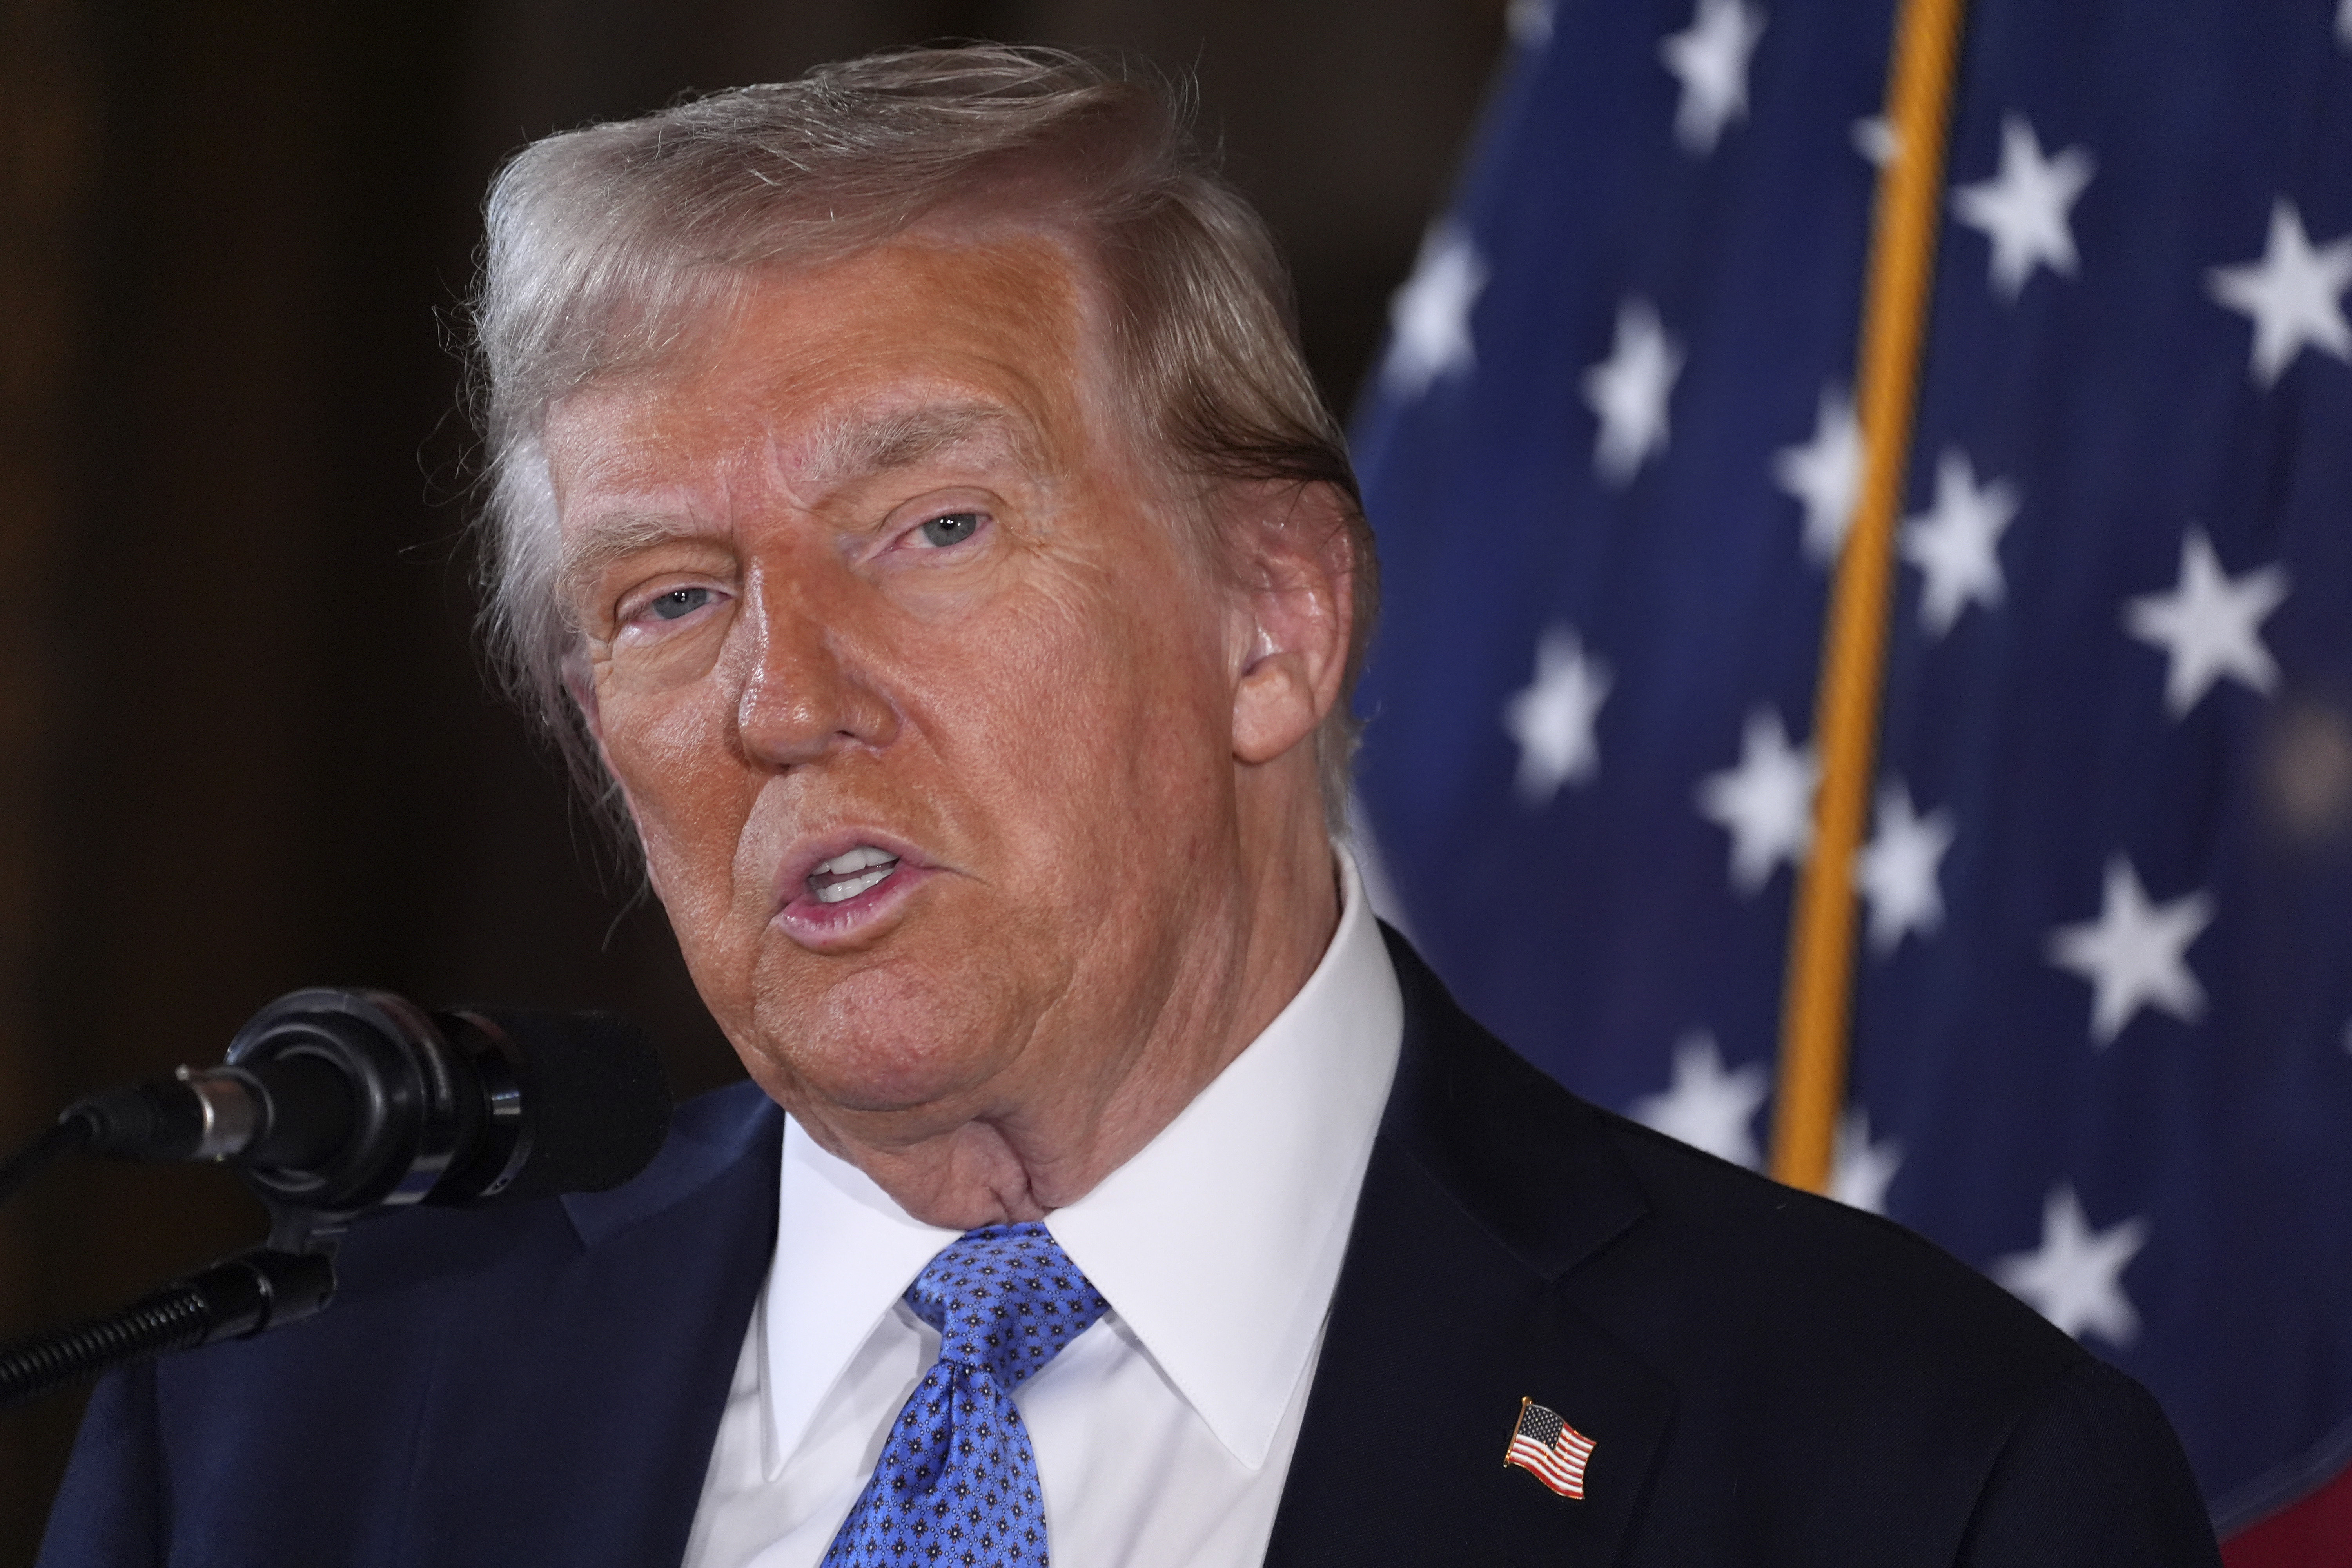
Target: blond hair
(606, 243)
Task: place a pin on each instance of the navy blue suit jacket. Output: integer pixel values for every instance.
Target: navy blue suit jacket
(1769, 1378)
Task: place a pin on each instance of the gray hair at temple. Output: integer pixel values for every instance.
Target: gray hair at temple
(607, 244)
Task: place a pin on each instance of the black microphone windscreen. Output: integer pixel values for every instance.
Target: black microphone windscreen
(595, 1098)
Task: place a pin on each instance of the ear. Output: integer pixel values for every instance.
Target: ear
(1296, 612)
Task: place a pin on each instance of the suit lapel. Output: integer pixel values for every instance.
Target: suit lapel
(574, 1400)
(1488, 1187)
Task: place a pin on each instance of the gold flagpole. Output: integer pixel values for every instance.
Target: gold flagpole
(1815, 1006)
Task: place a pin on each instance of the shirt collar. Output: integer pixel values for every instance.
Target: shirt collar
(845, 1252)
(1218, 1244)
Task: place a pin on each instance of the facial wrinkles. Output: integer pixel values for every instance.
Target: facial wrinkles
(1053, 714)
(672, 728)
(1058, 611)
(611, 538)
(900, 434)
(1175, 996)
(1134, 785)
(624, 496)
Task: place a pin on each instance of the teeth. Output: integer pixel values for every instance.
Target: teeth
(852, 888)
(858, 859)
(847, 875)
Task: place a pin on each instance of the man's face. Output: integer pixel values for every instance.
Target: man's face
(922, 705)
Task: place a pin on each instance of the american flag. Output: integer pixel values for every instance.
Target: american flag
(1550, 1449)
(2102, 1039)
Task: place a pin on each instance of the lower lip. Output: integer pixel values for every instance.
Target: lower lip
(814, 925)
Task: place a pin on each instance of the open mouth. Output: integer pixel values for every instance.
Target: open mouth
(844, 877)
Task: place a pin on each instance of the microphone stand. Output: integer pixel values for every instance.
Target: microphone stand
(293, 1274)
(290, 1277)
(340, 1104)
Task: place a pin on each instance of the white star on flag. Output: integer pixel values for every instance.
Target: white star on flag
(2291, 294)
(2024, 208)
(2209, 624)
(1628, 392)
(1766, 803)
(1897, 870)
(1956, 542)
(2135, 953)
(2343, 23)
(1549, 1448)
(1861, 1170)
(1825, 474)
(1708, 1108)
(2074, 1278)
(1430, 316)
(1709, 57)
(1528, 22)
(1551, 718)
(1873, 140)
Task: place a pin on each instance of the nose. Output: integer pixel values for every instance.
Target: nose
(809, 693)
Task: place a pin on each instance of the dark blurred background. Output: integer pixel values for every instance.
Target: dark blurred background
(244, 742)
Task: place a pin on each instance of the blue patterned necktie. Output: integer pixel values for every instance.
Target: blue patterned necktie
(957, 1482)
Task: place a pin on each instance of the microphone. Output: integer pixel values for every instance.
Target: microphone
(336, 1103)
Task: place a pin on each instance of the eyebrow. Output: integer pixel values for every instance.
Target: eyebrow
(854, 447)
(615, 536)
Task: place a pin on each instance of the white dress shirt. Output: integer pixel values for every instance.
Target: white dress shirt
(1164, 1432)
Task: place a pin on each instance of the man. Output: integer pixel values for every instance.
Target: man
(910, 504)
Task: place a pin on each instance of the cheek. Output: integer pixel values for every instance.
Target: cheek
(1102, 727)
(671, 752)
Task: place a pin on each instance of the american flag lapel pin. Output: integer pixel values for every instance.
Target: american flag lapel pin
(1550, 1449)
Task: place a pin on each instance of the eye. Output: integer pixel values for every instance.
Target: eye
(677, 603)
(950, 528)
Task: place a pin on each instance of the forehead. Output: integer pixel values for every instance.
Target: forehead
(873, 362)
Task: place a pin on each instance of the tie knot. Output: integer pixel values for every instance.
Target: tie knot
(1004, 1297)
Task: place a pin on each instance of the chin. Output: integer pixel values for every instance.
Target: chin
(884, 1037)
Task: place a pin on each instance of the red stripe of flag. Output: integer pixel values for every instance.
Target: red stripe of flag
(2314, 1532)
(1550, 1449)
